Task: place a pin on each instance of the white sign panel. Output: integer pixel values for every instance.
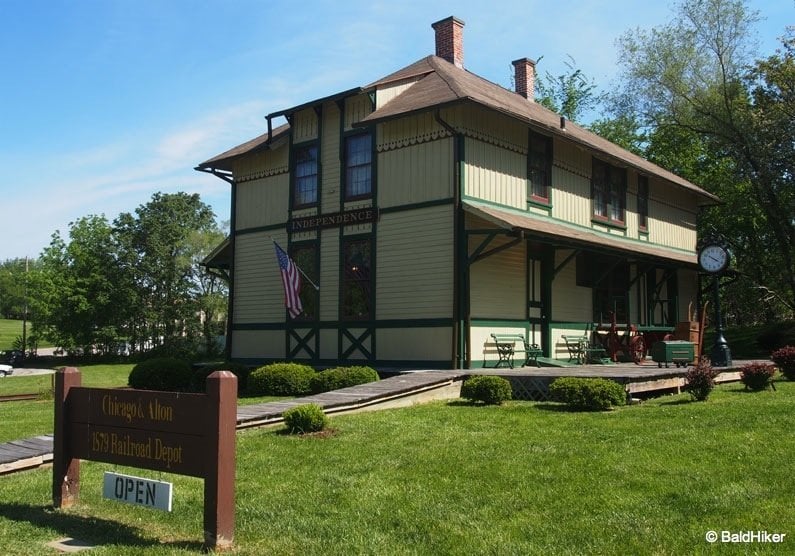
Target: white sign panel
(137, 491)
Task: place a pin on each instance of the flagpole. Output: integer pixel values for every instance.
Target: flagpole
(308, 279)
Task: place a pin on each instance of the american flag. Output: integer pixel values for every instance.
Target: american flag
(291, 278)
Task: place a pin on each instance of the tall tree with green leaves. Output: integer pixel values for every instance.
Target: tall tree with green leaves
(158, 250)
(571, 94)
(80, 301)
(694, 81)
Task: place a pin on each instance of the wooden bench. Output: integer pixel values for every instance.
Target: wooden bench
(581, 350)
(507, 347)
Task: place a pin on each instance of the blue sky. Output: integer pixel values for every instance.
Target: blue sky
(104, 102)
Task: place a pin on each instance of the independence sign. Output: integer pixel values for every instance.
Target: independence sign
(335, 220)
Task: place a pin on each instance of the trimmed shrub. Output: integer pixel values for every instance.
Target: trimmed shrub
(341, 377)
(491, 390)
(756, 376)
(199, 379)
(164, 373)
(280, 379)
(700, 379)
(305, 418)
(784, 359)
(593, 394)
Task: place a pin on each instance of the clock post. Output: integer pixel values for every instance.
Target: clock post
(713, 257)
(720, 355)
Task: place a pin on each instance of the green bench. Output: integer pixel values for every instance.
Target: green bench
(581, 350)
(509, 345)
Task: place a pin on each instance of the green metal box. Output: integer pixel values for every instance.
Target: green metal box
(673, 351)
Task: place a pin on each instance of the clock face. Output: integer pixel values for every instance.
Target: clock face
(713, 258)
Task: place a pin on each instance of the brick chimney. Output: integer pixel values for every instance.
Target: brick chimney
(524, 70)
(450, 40)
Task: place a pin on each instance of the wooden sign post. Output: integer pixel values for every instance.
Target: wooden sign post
(186, 434)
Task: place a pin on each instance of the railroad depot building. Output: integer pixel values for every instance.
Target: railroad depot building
(433, 208)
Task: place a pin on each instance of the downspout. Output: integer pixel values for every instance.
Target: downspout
(461, 318)
(232, 219)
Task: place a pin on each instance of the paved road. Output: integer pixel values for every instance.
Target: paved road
(30, 372)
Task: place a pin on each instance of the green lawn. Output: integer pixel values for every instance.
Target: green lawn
(10, 330)
(451, 478)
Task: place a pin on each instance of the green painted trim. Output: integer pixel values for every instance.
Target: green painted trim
(486, 322)
(341, 153)
(549, 164)
(416, 206)
(373, 168)
(543, 206)
(260, 229)
(547, 277)
(623, 239)
(609, 224)
(382, 364)
(331, 325)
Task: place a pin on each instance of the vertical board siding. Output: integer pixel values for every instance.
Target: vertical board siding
(414, 274)
(672, 217)
(415, 174)
(407, 131)
(262, 164)
(258, 344)
(356, 109)
(304, 126)
(330, 156)
(420, 344)
(497, 283)
(262, 202)
(388, 92)
(571, 183)
(489, 126)
(570, 302)
(495, 174)
(259, 296)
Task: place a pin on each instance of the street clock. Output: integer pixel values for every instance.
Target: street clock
(713, 258)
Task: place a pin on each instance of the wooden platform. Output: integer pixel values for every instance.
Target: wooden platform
(408, 388)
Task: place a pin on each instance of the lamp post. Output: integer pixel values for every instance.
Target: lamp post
(720, 355)
(714, 258)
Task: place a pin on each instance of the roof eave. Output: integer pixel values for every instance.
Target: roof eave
(331, 98)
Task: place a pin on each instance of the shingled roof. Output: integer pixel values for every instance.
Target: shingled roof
(441, 83)
(263, 142)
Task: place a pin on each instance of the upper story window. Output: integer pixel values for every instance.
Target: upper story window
(358, 166)
(539, 168)
(643, 203)
(305, 176)
(609, 193)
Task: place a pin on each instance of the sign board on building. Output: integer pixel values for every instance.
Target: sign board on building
(335, 220)
(138, 491)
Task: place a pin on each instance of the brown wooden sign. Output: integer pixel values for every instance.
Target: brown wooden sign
(335, 220)
(186, 434)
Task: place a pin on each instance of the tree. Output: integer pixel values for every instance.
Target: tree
(12, 287)
(159, 251)
(79, 300)
(570, 94)
(690, 80)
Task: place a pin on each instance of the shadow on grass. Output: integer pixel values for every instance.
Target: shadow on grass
(684, 401)
(92, 530)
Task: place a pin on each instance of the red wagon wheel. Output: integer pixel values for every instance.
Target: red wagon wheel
(637, 349)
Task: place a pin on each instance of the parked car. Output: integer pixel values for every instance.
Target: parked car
(6, 370)
(11, 357)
